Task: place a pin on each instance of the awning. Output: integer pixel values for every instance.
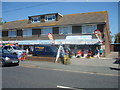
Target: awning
(57, 41)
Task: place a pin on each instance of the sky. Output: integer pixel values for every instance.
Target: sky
(12, 11)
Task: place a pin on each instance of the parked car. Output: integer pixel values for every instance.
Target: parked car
(14, 49)
(7, 58)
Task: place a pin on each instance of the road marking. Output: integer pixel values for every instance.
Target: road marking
(65, 87)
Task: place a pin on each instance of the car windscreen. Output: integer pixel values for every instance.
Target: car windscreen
(5, 51)
(16, 48)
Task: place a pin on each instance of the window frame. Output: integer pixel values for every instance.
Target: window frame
(27, 32)
(12, 33)
(69, 30)
(44, 29)
(48, 16)
(37, 19)
(84, 28)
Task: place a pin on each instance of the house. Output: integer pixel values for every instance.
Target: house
(75, 30)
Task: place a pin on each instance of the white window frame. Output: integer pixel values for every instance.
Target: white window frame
(63, 28)
(12, 33)
(44, 31)
(47, 18)
(27, 32)
(33, 19)
(84, 28)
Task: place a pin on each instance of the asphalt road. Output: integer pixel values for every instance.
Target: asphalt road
(25, 77)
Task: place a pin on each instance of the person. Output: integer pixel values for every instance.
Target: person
(89, 53)
(78, 54)
(101, 51)
(27, 51)
(17, 44)
(97, 52)
(82, 53)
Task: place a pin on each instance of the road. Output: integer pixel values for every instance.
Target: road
(36, 77)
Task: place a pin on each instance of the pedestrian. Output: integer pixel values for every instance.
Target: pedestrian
(101, 52)
(82, 53)
(78, 54)
(97, 52)
(89, 53)
(27, 51)
(16, 44)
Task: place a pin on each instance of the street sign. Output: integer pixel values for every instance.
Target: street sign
(50, 36)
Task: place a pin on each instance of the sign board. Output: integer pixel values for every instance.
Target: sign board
(50, 36)
(79, 37)
(98, 35)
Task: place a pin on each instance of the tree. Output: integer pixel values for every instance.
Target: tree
(117, 38)
(1, 22)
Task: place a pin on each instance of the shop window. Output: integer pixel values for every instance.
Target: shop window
(12, 33)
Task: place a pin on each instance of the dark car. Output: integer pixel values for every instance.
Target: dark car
(46, 50)
(7, 58)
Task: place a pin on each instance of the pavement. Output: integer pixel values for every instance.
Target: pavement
(101, 66)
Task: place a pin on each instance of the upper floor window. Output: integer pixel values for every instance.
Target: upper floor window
(45, 31)
(35, 19)
(27, 32)
(65, 30)
(12, 33)
(88, 29)
(50, 18)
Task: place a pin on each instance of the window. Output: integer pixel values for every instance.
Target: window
(36, 31)
(4, 33)
(45, 31)
(12, 33)
(35, 19)
(55, 30)
(27, 32)
(50, 18)
(88, 29)
(65, 30)
(19, 33)
(76, 29)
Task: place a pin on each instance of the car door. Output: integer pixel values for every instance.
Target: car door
(48, 52)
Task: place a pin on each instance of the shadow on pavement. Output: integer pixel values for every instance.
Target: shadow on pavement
(114, 68)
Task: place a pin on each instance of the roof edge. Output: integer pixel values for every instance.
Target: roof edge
(88, 13)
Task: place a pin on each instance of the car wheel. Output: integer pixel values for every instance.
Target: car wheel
(17, 64)
(15, 53)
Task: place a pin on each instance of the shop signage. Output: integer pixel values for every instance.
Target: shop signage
(79, 37)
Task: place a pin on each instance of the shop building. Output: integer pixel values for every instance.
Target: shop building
(75, 30)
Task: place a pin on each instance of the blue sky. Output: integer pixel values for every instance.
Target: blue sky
(12, 11)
